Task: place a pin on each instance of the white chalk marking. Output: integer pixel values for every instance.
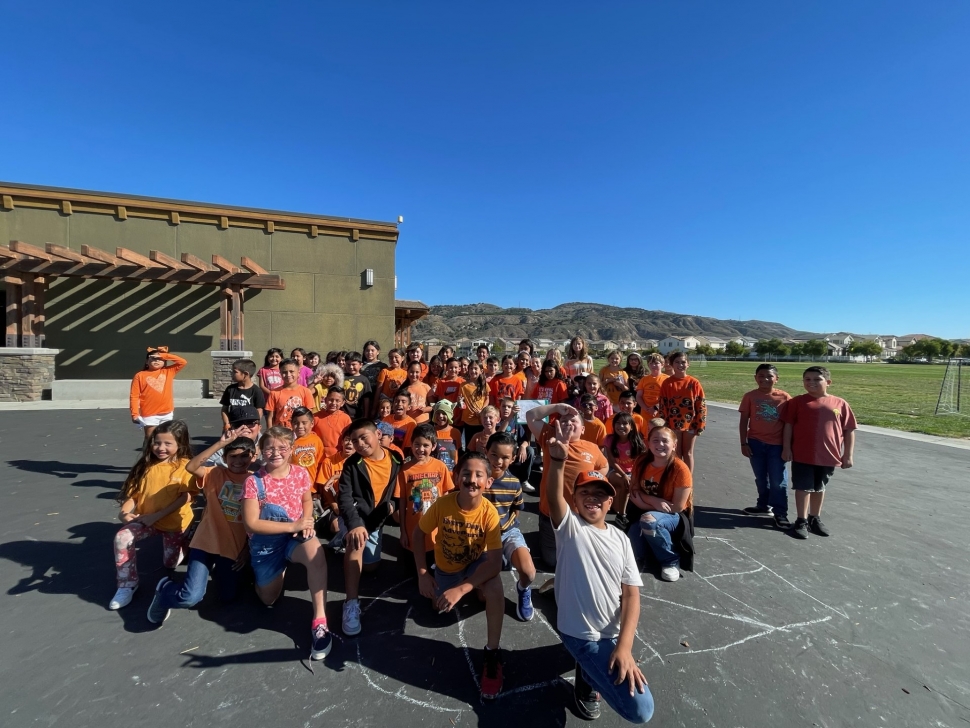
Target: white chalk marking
(636, 633)
(734, 617)
(783, 628)
(384, 593)
(325, 710)
(732, 573)
(400, 694)
(464, 647)
(775, 573)
(731, 596)
(546, 624)
(534, 686)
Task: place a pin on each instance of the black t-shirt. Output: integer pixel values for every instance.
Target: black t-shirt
(372, 371)
(357, 391)
(236, 396)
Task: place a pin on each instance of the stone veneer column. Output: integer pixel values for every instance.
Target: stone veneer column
(25, 373)
(222, 369)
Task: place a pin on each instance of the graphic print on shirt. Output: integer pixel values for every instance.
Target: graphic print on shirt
(352, 391)
(461, 542)
(157, 382)
(424, 492)
(447, 453)
(230, 498)
(304, 456)
(767, 411)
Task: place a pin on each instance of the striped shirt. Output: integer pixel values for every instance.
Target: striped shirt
(506, 495)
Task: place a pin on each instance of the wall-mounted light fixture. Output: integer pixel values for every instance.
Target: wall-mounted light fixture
(369, 277)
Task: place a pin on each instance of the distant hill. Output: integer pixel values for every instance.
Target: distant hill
(590, 320)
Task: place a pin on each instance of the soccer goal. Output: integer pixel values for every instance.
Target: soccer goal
(949, 401)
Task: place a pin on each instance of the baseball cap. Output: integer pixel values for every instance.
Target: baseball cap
(243, 413)
(594, 476)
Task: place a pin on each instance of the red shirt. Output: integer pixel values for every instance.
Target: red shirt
(818, 428)
(448, 389)
(510, 386)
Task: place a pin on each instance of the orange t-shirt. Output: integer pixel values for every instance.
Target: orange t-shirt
(612, 390)
(764, 414)
(582, 456)
(221, 530)
(468, 394)
(329, 426)
(308, 453)
(594, 432)
(151, 391)
(419, 398)
(650, 388)
(330, 468)
(646, 479)
(390, 380)
(282, 402)
(555, 391)
(402, 429)
(379, 472)
(682, 404)
(418, 486)
(638, 422)
(448, 389)
(510, 386)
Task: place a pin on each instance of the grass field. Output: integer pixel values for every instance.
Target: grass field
(900, 396)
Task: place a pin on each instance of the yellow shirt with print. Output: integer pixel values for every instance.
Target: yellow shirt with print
(162, 484)
(463, 536)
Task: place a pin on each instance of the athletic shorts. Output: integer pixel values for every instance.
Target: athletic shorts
(810, 478)
(155, 420)
(444, 582)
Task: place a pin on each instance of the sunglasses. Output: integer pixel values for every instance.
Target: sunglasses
(247, 423)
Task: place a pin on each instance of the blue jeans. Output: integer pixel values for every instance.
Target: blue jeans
(593, 659)
(191, 591)
(770, 475)
(523, 470)
(655, 537)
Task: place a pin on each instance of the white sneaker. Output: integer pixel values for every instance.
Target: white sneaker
(670, 573)
(527, 487)
(351, 621)
(122, 597)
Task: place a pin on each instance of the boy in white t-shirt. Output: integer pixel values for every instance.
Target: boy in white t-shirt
(597, 590)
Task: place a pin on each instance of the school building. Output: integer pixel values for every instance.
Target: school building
(91, 279)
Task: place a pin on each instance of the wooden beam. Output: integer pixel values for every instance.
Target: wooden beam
(132, 257)
(235, 323)
(9, 254)
(27, 312)
(59, 251)
(66, 207)
(12, 333)
(222, 264)
(253, 267)
(122, 212)
(156, 256)
(173, 217)
(197, 263)
(7, 202)
(40, 294)
(30, 251)
(224, 323)
(90, 251)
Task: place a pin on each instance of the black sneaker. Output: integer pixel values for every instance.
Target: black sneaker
(757, 511)
(587, 700)
(322, 641)
(622, 522)
(817, 527)
(800, 529)
(782, 522)
(156, 612)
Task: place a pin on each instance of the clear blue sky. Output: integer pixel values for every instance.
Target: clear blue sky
(807, 163)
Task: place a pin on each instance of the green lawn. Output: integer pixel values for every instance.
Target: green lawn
(900, 396)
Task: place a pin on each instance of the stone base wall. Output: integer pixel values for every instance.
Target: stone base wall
(25, 373)
(222, 369)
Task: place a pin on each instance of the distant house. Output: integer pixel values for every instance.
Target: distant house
(678, 343)
(602, 345)
(505, 346)
(714, 342)
(839, 343)
(430, 345)
(544, 344)
(745, 341)
(649, 344)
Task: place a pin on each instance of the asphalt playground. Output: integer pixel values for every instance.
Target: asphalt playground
(869, 627)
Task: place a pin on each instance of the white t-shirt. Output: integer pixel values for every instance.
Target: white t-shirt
(591, 565)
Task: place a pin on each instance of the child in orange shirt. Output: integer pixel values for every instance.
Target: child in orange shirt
(683, 407)
(219, 545)
(151, 400)
(416, 354)
(551, 385)
(330, 422)
(419, 484)
(628, 403)
(420, 408)
(450, 387)
(154, 501)
(648, 389)
(281, 402)
(491, 369)
(390, 379)
(328, 478)
(474, 396)
(399, 419)
(595, 430)
(308, 447)
(614, 379)
(436, 368)
(506, 385)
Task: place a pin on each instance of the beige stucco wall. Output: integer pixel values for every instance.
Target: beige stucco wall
(103, 327)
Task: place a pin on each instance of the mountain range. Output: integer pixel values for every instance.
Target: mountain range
(595, 321)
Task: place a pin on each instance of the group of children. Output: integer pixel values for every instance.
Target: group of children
(352, 443)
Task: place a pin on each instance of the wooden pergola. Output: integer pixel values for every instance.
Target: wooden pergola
(405, 314)
(27, 269)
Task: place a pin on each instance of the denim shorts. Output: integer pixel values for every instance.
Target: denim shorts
(444, 582)
(512, 540)
(269, 554)
(810, 478)
(372, 547)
